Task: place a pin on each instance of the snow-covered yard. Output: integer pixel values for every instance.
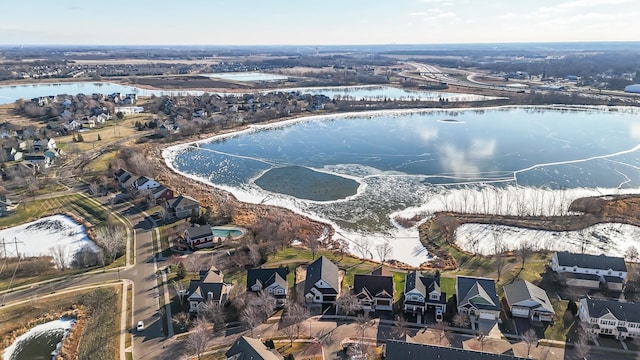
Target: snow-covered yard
(40, 237)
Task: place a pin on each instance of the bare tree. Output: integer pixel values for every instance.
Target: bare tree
(529, 337)
(581, 348)
(111, 240)
(347, 303)
(59, 254)
(400, 326)
(251, 315)
(363, 247)
(631, 254)
(197, 339)
(293, 320)
(441, 329)
(314, 243)
(182, 319)
(461, 321)
(254, 254)
(384, 250)
(524, 251)
(181, 291)
(498, 250)
(212, 312)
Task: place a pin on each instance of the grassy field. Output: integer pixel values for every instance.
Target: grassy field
(109, 132)
(103, 307)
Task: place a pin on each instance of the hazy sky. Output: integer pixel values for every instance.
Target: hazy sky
(320, 22)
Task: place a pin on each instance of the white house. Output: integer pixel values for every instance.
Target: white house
(590, 270)
(526, 300)
(144, 183)
(477, 298)
(423, 292)
(321, 286)
(610, 317)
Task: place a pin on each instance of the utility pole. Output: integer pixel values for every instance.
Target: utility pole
(4, 246)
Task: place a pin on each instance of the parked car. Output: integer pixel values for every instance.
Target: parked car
(140, 326)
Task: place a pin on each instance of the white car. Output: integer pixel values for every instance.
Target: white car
(140, 326)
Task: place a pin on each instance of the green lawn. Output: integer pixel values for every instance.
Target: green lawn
(448, 285)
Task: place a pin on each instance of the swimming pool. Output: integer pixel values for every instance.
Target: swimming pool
(223, 233)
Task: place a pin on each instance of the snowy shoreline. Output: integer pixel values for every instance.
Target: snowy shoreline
(406, 244)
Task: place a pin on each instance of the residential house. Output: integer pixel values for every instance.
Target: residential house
(198, 236)
(49, 157)
(374, 292)
(210, 287)
(400, 350)
(144, 183)
(51, 144)
(610, 317)
(181, 207)
(39, 144)
(422, 293)
(271, 281)
(122, 176)
(526, 300)
(246, 348)
(477, 297)
(161, 194)
(72, 124)
(35, 160)
(322, 284)
(590, 271)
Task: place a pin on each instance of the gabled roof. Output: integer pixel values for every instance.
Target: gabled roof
(267, 277)
(399, 350)
(159, 190)
(199, 231)
(210, 281)
(246, 348)
(625, 311)
(523, 290)
(479, 292)
(182, 201)
(601, 262)
(373, 285)
(323, 269)
(423, 284)
(141, 181)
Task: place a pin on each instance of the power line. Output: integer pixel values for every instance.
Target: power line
(4, 244)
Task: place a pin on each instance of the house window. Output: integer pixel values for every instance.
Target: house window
(620, 274)
(597, 271)
(564, 268)
(317, 298)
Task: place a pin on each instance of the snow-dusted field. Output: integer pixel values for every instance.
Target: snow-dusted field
(39, 237)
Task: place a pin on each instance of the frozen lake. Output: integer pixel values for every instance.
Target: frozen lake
(247, 76)
(410, 162)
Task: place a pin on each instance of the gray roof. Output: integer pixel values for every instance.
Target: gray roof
(479, 292)
(523, 290)
(323, 269)
(246, 348)
(267, 277)
(373, 285)
(399, 350)
(423, 284)
(182, 201)
(625, 311)
(601, 262)
(199, 231)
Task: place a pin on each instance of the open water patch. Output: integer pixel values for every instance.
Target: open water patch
(305, 183)
(40, 342)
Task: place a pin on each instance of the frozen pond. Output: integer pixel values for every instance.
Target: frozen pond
(43, 236)
(530, 160)
(39, 342)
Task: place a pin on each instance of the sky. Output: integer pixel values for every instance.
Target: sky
(320, 22)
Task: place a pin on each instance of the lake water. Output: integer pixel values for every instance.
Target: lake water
(38, 342)
(11, 93)
(404, 160)
(247, 76)
(380, 93)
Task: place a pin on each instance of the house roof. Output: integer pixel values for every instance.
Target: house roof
(210, 281)
(523, 290)
(159, 190)
(373, 285)
(323, 269)
(423, 284)
(601, 262)
(141, 181)
(400, 350)
(246, 348)
(182, 201)
(479, 292)
(199, 231)
(626, 311)
(267, 276)
(381, 271)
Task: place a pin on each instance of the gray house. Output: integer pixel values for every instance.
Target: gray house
(528, 301)
(181, 207)
(246, 348)
(422, 293)
(477, 297)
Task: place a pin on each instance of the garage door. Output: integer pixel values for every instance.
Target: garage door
(486, 316)
(518, 312)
